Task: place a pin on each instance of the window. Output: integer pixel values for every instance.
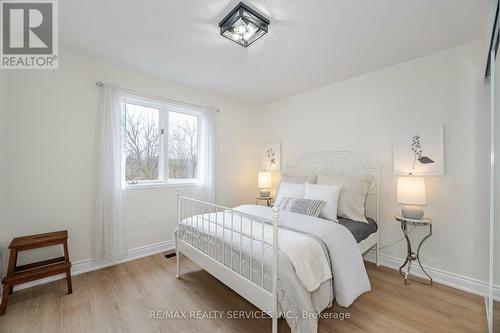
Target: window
(160, 143)
(182, 146)
(142, 143)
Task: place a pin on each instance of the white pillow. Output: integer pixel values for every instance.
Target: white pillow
(290, 190)
(326, 193)
(353, 195)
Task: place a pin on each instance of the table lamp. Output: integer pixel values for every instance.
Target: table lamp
(264, 184)
(411, 193)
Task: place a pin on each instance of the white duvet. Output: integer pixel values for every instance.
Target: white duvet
(305, 253)
(349, 273)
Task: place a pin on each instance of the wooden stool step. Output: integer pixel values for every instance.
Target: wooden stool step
(40, 240)
(37, 273)
(37, 270)
(38, 264)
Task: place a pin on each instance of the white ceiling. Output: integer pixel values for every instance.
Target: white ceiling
(309, 44)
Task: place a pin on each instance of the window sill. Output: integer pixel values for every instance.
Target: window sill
(143, 186)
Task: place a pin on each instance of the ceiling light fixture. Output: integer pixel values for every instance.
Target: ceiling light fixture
(243, 25)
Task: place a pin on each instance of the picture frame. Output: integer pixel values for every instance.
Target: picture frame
(271, 157)
(419, 151)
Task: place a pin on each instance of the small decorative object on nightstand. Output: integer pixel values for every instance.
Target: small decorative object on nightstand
(264, 184)
(268, 200)
(410, 255)
(411, 193)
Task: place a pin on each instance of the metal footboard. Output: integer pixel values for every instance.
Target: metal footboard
(214, 236)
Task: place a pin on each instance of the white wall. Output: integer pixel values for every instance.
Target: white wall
(49, 141)
(361, 115)
(3, 158)
(50, 146)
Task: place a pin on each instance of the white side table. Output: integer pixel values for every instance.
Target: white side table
(412, 256)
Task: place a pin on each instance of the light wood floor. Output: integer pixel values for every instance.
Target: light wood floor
(120, 298)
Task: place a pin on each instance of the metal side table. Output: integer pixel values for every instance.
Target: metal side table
(268, 200)
(410, 255)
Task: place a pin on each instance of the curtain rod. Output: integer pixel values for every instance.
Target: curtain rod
(100, 84)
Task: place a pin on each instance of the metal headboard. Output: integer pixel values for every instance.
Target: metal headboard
(339, 163)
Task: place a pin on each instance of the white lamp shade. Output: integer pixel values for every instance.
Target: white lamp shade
(411, 190)
(264, 180)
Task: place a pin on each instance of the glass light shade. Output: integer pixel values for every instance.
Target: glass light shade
(411, 190)
(243, 25)
(264, 180)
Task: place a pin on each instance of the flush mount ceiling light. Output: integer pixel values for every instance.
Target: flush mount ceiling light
(243, 25)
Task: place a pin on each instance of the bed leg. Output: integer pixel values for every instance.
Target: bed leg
(178, 268)
(176, 236)
(177, 258)
(275, 269)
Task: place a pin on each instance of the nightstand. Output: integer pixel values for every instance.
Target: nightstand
(267, 200)
(410, 255)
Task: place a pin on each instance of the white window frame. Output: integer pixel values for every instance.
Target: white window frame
(164, 109)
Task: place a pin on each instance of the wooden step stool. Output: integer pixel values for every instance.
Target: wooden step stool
(37, 270)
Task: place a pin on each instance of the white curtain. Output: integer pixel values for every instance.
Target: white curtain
(206, 160)
(109, 238)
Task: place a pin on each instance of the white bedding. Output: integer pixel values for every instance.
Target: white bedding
(301, 239)
(349, 273)
(308, 258)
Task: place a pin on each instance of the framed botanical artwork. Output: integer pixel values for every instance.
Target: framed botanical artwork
(419, 151)
(271, 157)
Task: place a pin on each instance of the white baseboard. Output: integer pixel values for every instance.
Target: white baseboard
(87, 265)
(147, 250)
(453, 280)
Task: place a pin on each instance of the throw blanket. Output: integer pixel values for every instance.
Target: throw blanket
(306, 255)
(350, 277)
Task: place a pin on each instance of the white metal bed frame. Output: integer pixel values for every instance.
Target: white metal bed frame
(345, 164)
(189, 210)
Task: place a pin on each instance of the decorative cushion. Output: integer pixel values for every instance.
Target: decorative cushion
(327, 193)
(290, 190)
(353, 195)
(302, 206)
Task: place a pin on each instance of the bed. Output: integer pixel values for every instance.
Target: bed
(316, 260)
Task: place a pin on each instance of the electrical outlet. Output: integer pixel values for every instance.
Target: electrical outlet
(149, 223)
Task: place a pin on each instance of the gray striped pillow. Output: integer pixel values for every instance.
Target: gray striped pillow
(302, 206)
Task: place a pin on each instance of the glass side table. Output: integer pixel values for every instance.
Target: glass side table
(410, 255)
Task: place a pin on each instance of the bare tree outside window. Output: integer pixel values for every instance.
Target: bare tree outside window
(143, 140)
(142, 143)
(182, 146)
